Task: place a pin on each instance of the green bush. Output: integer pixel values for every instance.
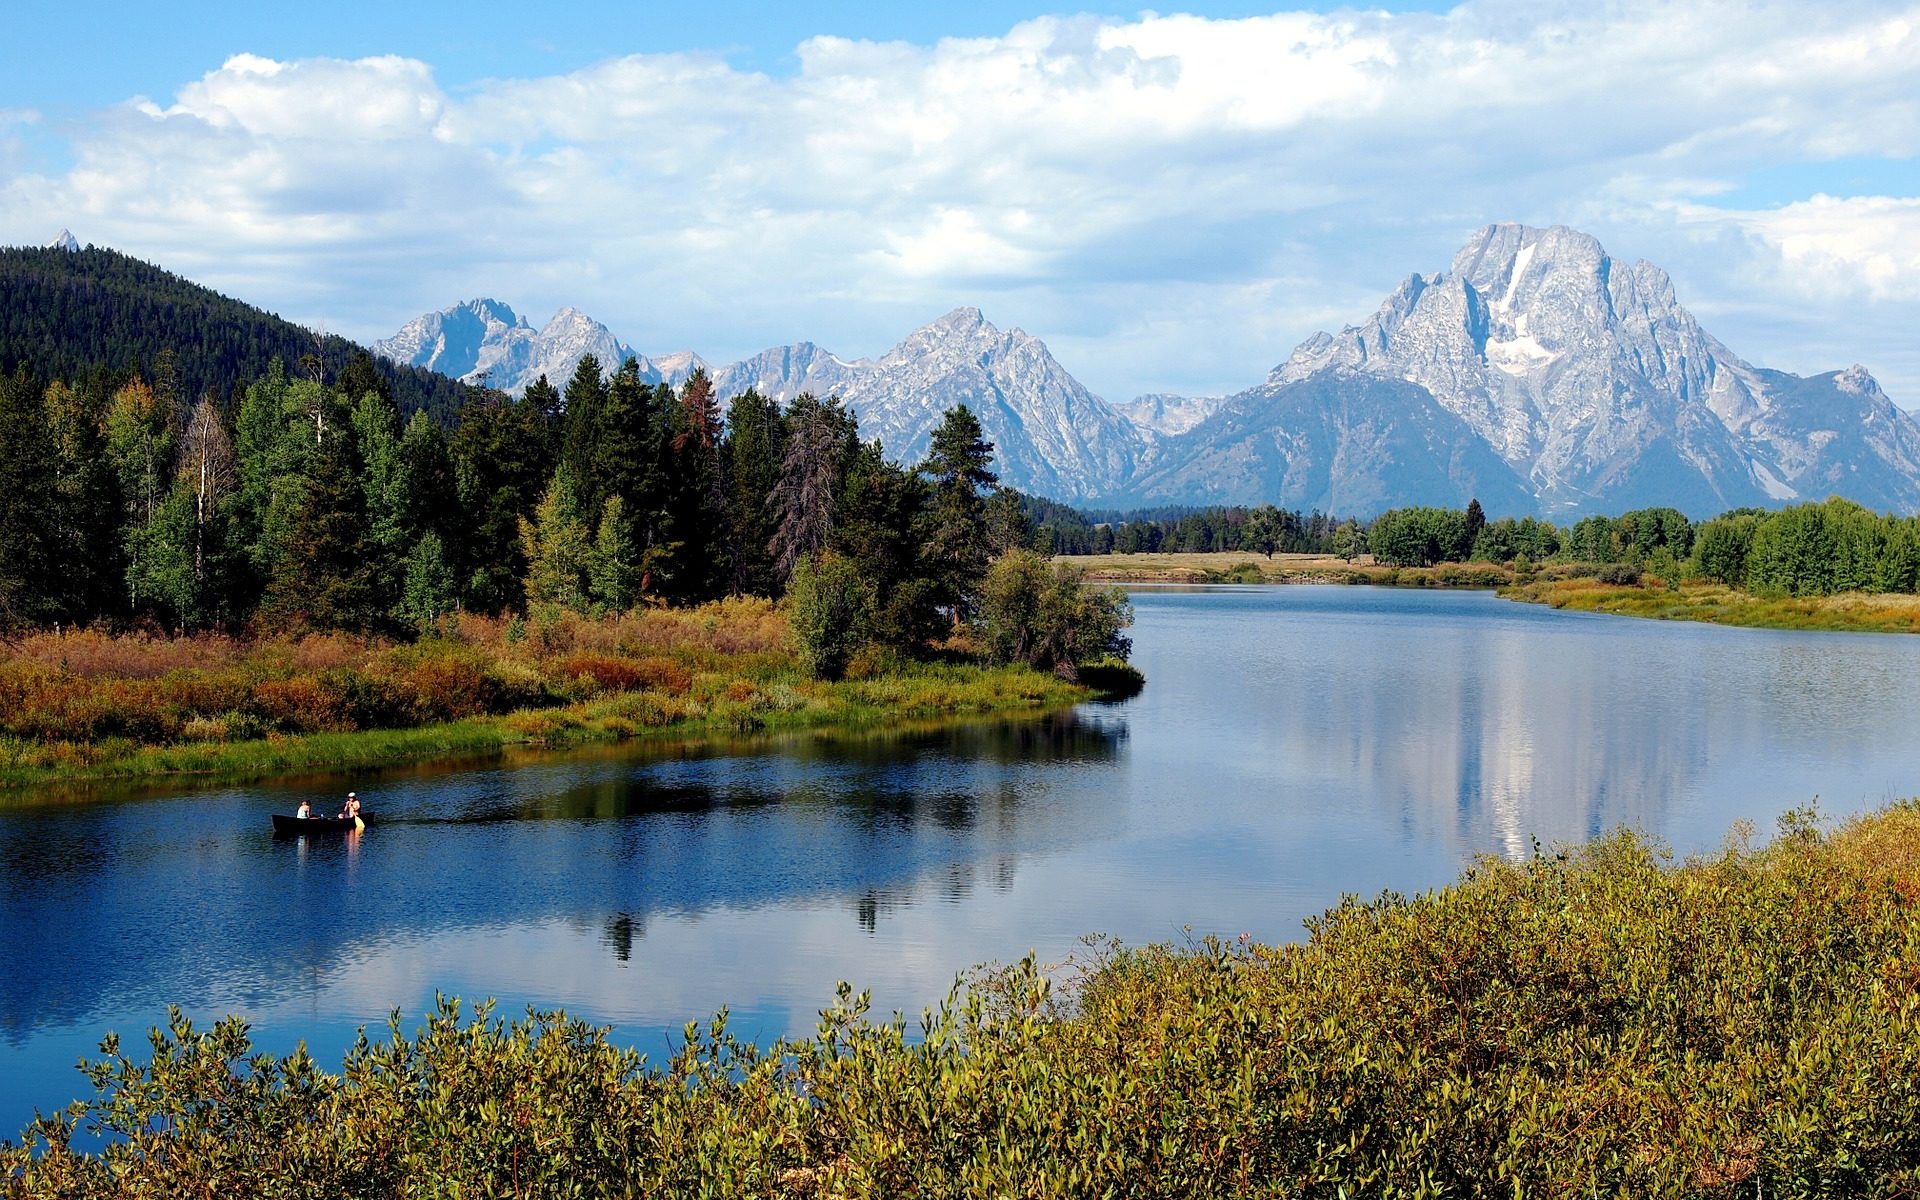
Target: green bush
(1044, 614)
(830, 608)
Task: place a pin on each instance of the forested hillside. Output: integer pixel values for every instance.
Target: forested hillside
(65, 314)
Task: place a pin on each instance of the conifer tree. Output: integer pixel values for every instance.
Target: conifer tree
(754, 447)
(28, 543)
(696, 493)
(956, 549)
(84, 507)
(820, 436)
(503, 461)
(324, 576)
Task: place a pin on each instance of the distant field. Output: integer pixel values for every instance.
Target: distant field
(1242, 567)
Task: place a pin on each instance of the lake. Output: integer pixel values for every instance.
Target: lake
(1293, 744)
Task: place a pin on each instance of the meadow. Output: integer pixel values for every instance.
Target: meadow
(80, 705)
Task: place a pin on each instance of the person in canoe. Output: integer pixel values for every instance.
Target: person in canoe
(351, 810)
(304, 812)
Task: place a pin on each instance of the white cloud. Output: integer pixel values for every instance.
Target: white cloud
(1175, 200)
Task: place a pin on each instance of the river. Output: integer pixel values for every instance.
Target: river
(1293, 744)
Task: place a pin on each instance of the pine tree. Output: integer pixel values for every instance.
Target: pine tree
(754, 447)
(28, 543)
(503, 460)
(820, 437)
(84, 508)
(956, 550)
(324, 576)
(696, 492)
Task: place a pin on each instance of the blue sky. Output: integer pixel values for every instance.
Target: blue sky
(1171, 201)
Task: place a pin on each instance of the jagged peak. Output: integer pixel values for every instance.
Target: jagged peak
(64, 240)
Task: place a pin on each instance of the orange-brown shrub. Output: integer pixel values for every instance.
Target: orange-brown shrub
(664, 675)
(302, 704)
(439, 682)
(608, 673)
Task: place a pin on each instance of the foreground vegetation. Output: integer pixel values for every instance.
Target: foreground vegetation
(1589, 1021)
(88, 705)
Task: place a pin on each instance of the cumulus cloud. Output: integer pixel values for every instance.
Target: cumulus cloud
(1175, 200)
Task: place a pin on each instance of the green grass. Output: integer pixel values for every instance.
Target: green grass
(720, 705)
(1720, 605)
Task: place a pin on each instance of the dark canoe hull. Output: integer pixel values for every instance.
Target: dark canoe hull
(293, 826)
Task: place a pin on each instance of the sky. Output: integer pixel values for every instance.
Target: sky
(1170, 200)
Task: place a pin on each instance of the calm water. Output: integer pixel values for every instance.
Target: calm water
(1293, 744)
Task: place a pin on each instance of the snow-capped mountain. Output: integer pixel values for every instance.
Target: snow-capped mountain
(1582, 375)
(1536, 373)
(484, 341)
(1051, 435)
(1054, 437)
(64, 240)
(1167, 414)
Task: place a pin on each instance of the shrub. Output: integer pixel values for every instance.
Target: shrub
(1042, 614)
(829, 608)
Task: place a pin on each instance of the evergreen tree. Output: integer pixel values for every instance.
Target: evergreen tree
(503, 462)
(756, 442)
(582, 427)
(324, 576)
(820, 437)
(696, 497)
(877, 528)
(84, 508)
(29, 544)
(1007, 524)
(956, 550)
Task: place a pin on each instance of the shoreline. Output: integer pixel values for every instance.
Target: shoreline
(1698, 602)
(933, 695)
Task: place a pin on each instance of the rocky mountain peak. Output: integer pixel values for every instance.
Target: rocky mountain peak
(64, 240)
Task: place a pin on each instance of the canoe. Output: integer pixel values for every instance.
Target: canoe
(298, 825)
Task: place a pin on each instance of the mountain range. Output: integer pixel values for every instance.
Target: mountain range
(1536, 373)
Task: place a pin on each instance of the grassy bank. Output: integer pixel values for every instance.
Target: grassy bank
(1721, 605)
(1596, 1020)
(1240, 567)
(1573, 586)
(81, 706)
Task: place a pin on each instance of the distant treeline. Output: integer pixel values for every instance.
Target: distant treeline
(1812, 549)
(311, 502)
(1265, 529)
(1808, 550)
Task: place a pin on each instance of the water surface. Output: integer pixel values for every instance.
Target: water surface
(1293, 744)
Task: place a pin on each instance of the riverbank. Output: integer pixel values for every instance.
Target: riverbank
(1593, 1018)
(81, 707)
(1851, 612)
(1239, 567)
(1576, 587)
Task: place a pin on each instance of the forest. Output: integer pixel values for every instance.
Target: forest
(311, 504)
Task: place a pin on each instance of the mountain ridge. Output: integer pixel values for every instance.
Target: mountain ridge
(1581, 375)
